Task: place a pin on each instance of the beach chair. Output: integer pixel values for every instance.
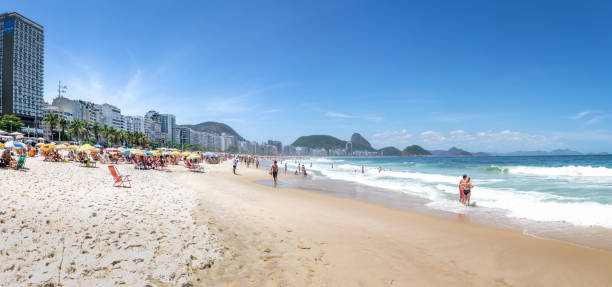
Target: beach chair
(120, 181)
(20, 162)
(193, 167)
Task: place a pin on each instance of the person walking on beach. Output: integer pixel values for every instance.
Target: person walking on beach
(304, 170)
(461, 186)
(234, 164)
(274, 171)
(285, 167)
(362, 169)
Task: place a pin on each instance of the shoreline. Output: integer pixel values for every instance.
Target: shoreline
(324, 240)
(596, 237)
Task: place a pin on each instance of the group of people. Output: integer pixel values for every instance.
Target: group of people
(7, 160)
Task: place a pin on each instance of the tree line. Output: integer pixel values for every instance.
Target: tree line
(83, 131)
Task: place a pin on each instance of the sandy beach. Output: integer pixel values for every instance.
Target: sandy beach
(288, 237)
(66, 225)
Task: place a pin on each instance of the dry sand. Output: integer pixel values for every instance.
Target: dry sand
(61, 224)
(286, 237)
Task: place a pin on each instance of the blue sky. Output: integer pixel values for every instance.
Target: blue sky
(481, 75)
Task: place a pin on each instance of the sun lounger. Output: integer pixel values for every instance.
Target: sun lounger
(120, 181)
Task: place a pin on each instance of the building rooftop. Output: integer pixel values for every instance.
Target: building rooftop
(24, 18)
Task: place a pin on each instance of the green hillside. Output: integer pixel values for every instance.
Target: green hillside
(415, 150)
(319, 141)
(214, 128)
(390, 151)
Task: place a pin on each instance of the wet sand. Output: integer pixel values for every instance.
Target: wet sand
(290, 237)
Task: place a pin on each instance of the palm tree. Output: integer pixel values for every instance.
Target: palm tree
(106, 133)
(75, 129)
(51, 120)
(85, 128)
(62, 123)
(95, 128)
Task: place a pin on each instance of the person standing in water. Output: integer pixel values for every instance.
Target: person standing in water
(467, 191)
(304, 170)
(461, 186)
(285, 167)
(274, 171)
(362, 169)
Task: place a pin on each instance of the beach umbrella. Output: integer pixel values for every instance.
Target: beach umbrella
(194, 156)
(210, 154)
(137, 152)
(47, 147)
(30, 142)
(147, 152)
(40, 139)
(186, 153)
(15, 134)
(98, 146)
(13, 144)
(40, 144)
(2, 132)
(126, 151)
(1, 145)
(73, 147)
(62, 146)
(88, 147)
(111, 150)
(174, 153)
(94, 149)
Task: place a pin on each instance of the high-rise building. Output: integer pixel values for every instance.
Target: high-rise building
(21, 59)
(111, 116)
(168, 124)
(134, 124)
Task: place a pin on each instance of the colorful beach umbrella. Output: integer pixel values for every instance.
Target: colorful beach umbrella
(1, 145)
(40, 144)
(13, 144)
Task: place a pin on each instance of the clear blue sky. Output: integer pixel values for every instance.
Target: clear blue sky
(481, 75)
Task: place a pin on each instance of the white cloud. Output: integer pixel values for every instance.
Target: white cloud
(426, 133)
(338, 115)
(457, 132)
(580, 115)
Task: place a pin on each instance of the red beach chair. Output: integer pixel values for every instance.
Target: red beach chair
(120, 181)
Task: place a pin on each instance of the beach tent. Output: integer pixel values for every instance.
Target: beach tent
(13, 144)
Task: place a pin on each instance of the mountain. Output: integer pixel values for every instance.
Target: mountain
(360, 143)
(214, 128)
(451, 152)
(390, 151)
(541, 153)
(564, 152)
(481, 154)
(319, 141)
(415, 150)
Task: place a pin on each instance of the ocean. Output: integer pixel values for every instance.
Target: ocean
(559, 190)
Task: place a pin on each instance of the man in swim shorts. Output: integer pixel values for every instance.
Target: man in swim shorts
(274, 170)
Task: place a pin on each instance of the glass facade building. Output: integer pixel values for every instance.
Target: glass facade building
(22, 61)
